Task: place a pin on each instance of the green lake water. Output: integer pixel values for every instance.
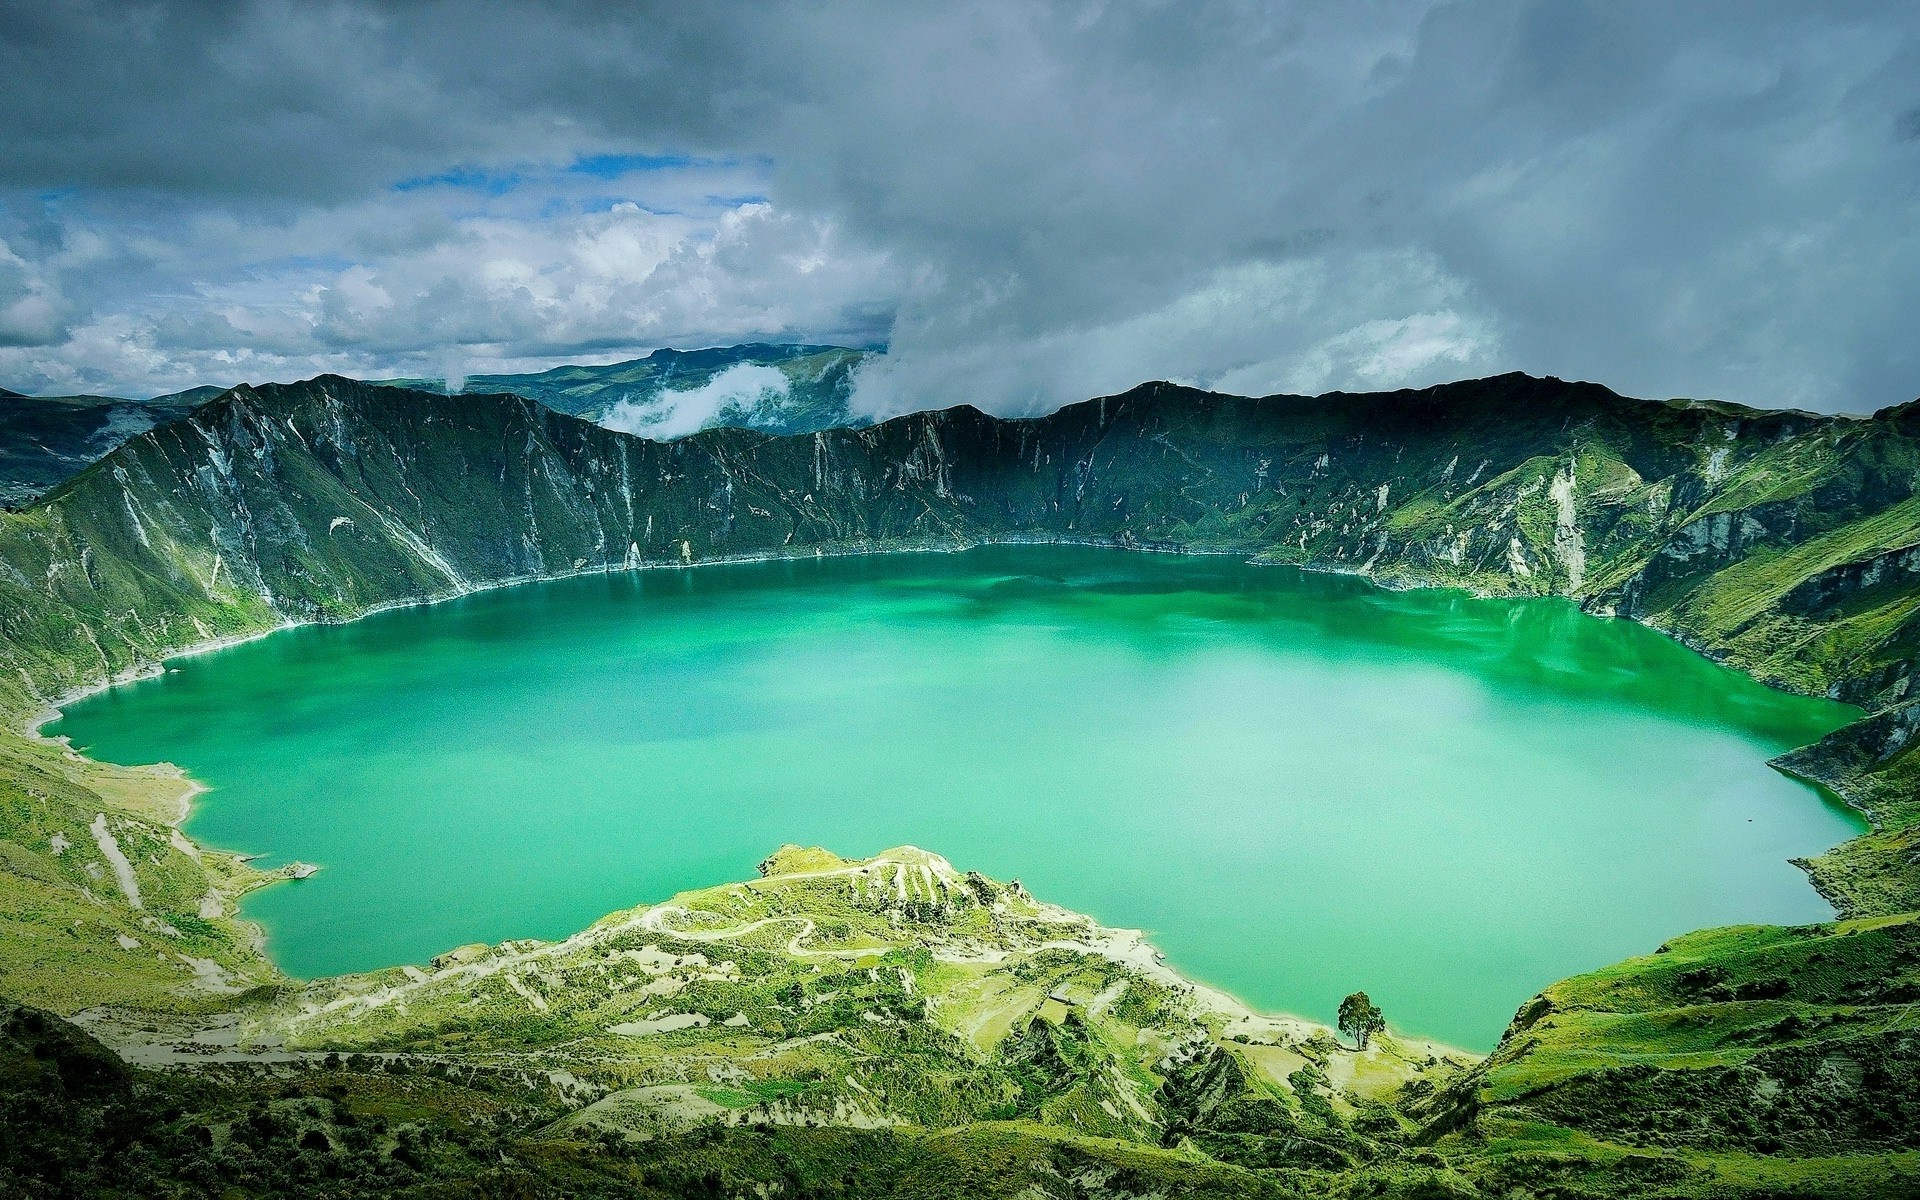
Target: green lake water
(1300, 784)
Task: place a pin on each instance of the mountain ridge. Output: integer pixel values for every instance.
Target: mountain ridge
(1626, 506)
(47, 439)
(1349, 413)
(811, 391)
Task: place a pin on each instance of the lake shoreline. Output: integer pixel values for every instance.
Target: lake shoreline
(936, 549)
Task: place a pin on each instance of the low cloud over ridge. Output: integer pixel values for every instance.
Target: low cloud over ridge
(740, 389)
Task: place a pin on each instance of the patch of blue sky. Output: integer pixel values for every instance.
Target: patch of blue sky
(613, 166)
(330, 264)
(604, 167)
(471, 179)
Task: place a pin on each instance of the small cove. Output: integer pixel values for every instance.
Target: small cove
(1300, 784)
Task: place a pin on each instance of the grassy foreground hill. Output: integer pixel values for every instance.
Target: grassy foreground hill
(1737, 1062)
(893, 995)
(892, 1026)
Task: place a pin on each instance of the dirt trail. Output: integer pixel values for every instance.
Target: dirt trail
(654, 921)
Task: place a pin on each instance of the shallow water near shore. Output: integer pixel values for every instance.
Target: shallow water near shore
(1301, 785)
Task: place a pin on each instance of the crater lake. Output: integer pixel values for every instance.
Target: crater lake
(1301, 785)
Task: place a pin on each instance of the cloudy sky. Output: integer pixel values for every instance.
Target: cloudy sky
(1028, 204)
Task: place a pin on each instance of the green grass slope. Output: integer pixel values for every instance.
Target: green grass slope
(82, 1123)
(881, 1026)
(893, 1026)
(1762, 1058)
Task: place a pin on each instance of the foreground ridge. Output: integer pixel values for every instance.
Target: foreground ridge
(889, 1024)
(892, 990)
(916, 1009)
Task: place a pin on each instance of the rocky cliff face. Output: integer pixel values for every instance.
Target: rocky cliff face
(1782, 542)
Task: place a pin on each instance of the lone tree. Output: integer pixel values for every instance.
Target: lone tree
(1360, 1019)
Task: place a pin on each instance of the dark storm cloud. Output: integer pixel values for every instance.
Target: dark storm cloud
(1033, 203)
(304, 101)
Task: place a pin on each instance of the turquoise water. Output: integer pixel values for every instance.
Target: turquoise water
(1302, 785)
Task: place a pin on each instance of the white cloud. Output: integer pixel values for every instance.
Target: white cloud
(735, 392)
(499, 289)
(1257, 328)
(1424, 348)
(32, 310)
(1033, 202)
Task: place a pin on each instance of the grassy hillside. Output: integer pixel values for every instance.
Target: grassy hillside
(881, 992)
(45, 440)
(894, 1026)
(1782, 543)
(1767, 1058)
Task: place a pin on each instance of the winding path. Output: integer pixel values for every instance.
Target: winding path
(654, 921)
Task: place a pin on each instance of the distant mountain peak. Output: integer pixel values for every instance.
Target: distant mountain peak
(193, 396)
(671, 392)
